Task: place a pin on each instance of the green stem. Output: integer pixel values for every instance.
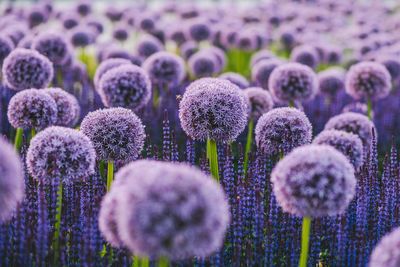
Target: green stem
(304, 241)
(18, 139)
(291, 103)
(58, 222)
(213, 157)
(60, 79)
(33, 132)
(144, 262)
(110, 174)
(135, 261)
(156, 97)
(248, 144)
(369, 109)
(163, 262)
(281, 154)
(101, 169)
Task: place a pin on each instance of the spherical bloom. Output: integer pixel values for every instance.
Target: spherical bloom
(260, 101)
(219, 54)
(171, 210)
(213, 108)
(176, 34)
(54, 46)
(367, 80)
(331, 81)
(347, 143)
(246, 40)
(120, 32)
(82, 36)
(83, 7)
(107, 65)
(95, 23)
(6, 46)
(306, 55)
(314, 181)
(165, 67)
(392, 64)
(119, 52)
(198, 30)
(187, 49)
(32, 109)
(261, 55)
(357, 107)
(353, 123)
(291, 82)
(24, 68)
(146, 22)
(235, 78)
(125, 86)
(386, 253)
(116, 133)
(282, 127)
(262, 70)
(11, 180)
(67, 106)
(15, 31)
(36, 16)
(70, 20)
(203, 64)
(148, 45)
(114, 14)
(60, 153)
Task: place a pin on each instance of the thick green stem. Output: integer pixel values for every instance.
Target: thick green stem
(144, 262)
(33, 132)
(58, 222)
(135, 261)
(101, 170)
(248, 144)
(281, 154)
(305, 236)
(291, 103)
(163, 262)
(369, 109)
(213, 157)
(156, 97)
(18, 139)
(110, 174)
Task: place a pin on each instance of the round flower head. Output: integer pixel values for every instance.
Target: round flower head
(70, 20)
(171, 210)
(24, 68)
(107, 65)
(198, 30)
(120, 32)
(6, 46)
(165, 67)
(347, 143)
(54, 46)
(114, 14)
(386, 253)
(213, 108)
(187, 49)
(117, 133)
(353, 123)
(392, 64)
(306, 55)
(282, 127)
(125, 86)
(246, 40)
(260, 101)
(83, 8)
(261, 55)
(96, 24)
(67, 106)
(262, 70)
(219, 54)
(314, 181)
(119, 52)
(176, 34)
(235, 78)
(357, 107)
(203, 64)
(146, 22)
(331, 81)
(60, 153)
(32, 109)
(292, 81)
(36, 16)
(148, 45)
(16, 32)
(11, 180)
(368, 80)
(82, 36)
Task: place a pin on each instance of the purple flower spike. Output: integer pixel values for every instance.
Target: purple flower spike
(386, 252)
(213, 108)
(314, 181)
(260, 101)
(24, 68)
(236, 79)
(60, 153)
(107, 65)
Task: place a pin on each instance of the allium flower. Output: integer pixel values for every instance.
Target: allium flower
(83, 7)
(24, 68)
(54, 46)
(187, 49)
(262, 70)
(392, 64)
(213, 108)
(70, 20)
(171, 210)
(386, 253)
(261, 55)
(198, 30)
(368, 80)
(148, 45)
(236, 79)
(116, 133)
(32, 109)
(331, 81)
(94, 23)
(11, 180)
(107, 65)
(60, 153)
(16, 32)
(119, 52)
(347, 143)
(114, 14)
(146, 22)
(203, 64)
(82, 36)
(107, 217)
(219, 54)
(246, 40)
(165, 67)
(314, 181)
(6, 46)
(176, 34)
(282, 127)
(260, 101)
(306, 55)
(67, 106)
(125, 86)
(356, 107)
(353, 123)
(36, 16)
(291, 82)
(120, 32)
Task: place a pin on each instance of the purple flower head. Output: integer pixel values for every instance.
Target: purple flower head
(95, 23)
(24, 68)
(171, 210)
(120, 32)
(282, 127)
(386, 252)
(213, 108)
(392, 64)
(333, 55)
(246, 40)
(83, 7)
(32, 108)
(67, 106)
(11, 180)
(54, 46)
(107, 65)
(348, 143)
(291, 82)
(262, 70)
(187, 49)
(357, 107)
(146, 22)
(82, 36)
(119, 52)
(165, 67)
(219, 54)
(261, 55)
(16, 32)
(287, 39)
(125, 86)
(236, 79)
(114, 14)
(27, 41)
(116, 133)
(203, 64)
(77, 70)
(60, 153)
(260, 101)
(107, 217)
(306, 55)
(176, 34)
(314, 181)
(368, 80)
(6, 46)
(70, 20)
(331, 81)
(198, 30)
(148, 45)
(353, 123)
